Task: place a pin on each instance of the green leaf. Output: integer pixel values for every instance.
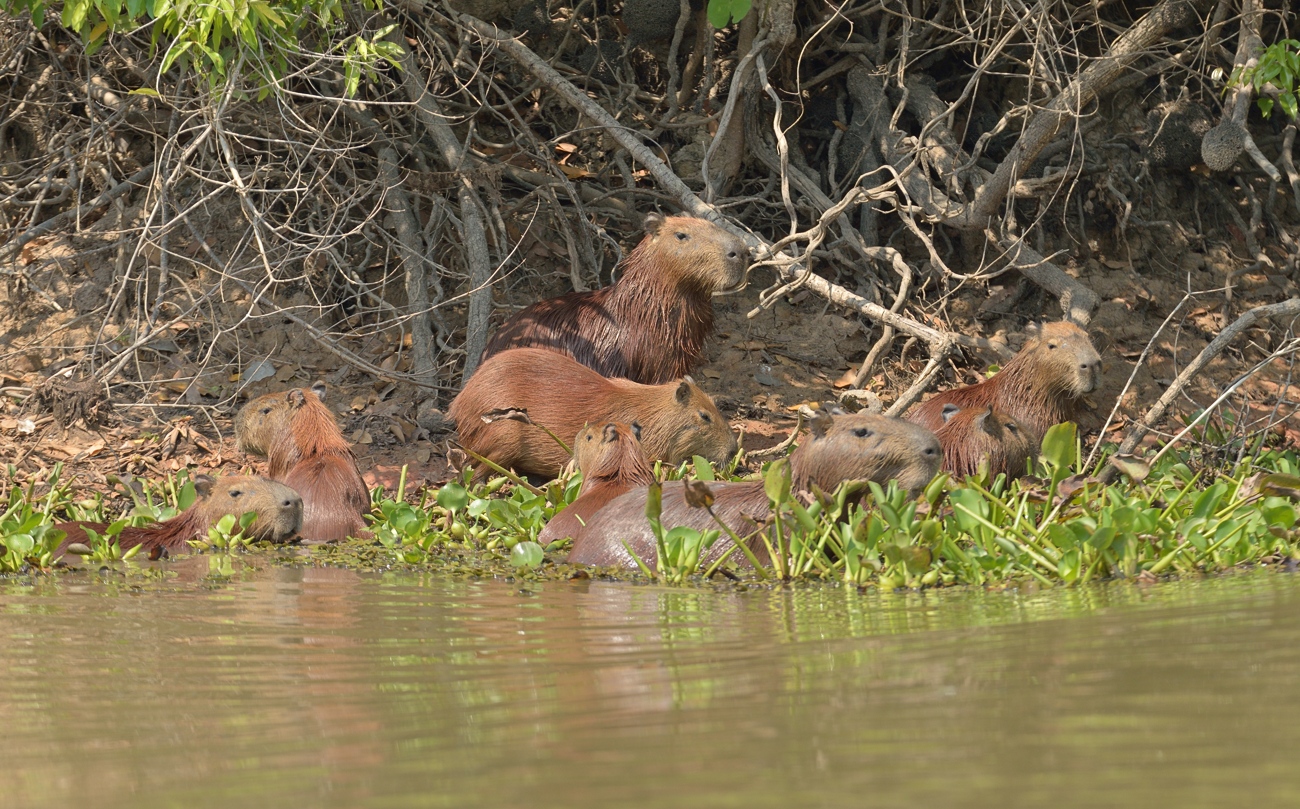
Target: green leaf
(776, 482)
(527, 554)
(1059, 445)
(719, 13)
(453, 497)
(703, 469)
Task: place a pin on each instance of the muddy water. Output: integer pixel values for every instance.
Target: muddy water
(304, 688)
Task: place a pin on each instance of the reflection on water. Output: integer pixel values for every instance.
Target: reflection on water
(321, 687)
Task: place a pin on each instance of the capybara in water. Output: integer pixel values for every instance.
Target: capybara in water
(650, 325)
(975, 435)
(1041, 386)
(278, 508)
(612, 462)
(677, 420)
(861, 446)
(307, 451)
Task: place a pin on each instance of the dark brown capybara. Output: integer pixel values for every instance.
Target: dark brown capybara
(975, 435)
(650, 325)
(612, 462)
(1041, 386)
(307, 451)
(861, 446)
(278, 509)
(678, 420)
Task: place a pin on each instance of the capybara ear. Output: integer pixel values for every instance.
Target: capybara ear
(833, 408)
(987, 423)
(652, 222)
(295, 398)
(203, 485)
(821, 424)
(611, 433)
(318, 388)
(949, 410)
(684, 391)
(636, 430)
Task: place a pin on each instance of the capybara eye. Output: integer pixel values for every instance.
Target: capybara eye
(681, 237)
(1051, 346)
(234, 493)
(705, 417)
(1011, 428)
(266, 411)
(862, 432)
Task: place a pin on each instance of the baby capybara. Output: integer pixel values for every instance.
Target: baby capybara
(650, 325)
(278, 509)
(861, 446)
(677, 420)
(612, 462)
(983, 435)
(307, 451)
(1041, 386)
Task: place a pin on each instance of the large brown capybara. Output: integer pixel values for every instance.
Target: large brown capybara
(307, 451)
(986, 435)
(1041, 386)
(677, 420)
(650, 325)
(860, 446)
(612, 462)
(278, 509)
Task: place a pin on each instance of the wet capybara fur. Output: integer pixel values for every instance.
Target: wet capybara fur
(678, 420)
(307, 451)
(278, 509)
(612, 462)
(976, 436)
(650, 325)
(1043, 385)
(861, 446)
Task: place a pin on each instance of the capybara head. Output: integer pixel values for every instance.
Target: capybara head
(612, 452)
(865, 446)
(596, 442)
(266, 418)
(1064, 359)
(278, 507)
(702, 254)
(695, 426)
(971, 435)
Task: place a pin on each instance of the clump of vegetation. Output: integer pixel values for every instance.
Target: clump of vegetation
(1060, 525)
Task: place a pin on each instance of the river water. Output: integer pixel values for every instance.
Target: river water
(323, 687)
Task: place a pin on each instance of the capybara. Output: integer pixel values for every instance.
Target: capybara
(650, 325)
(861, 446)
(612, 462)
(307, 451)
(1041, 386)
(278, 508)
(975, 435)
(677, 420)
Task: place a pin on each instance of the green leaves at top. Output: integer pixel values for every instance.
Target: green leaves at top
(722, 12)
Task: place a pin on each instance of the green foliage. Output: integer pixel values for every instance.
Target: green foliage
(723, 12)
(1279, 66)
(28, 537)
(220, 40)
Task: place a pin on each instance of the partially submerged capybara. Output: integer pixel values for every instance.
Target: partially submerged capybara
(650, 325)
(861, 446)
(975, 435)
(677, 420)
(307, 451)
(1041, 386)
(612, 462)
(278, 509)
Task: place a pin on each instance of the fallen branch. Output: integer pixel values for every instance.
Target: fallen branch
(1288, 308)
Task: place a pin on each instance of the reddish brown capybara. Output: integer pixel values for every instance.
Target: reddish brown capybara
(677, 420)
(307, 451)
(860, 446)
(975, 436)
(650, 325)
(1041, 386)
(278, 509)
(612, 462)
